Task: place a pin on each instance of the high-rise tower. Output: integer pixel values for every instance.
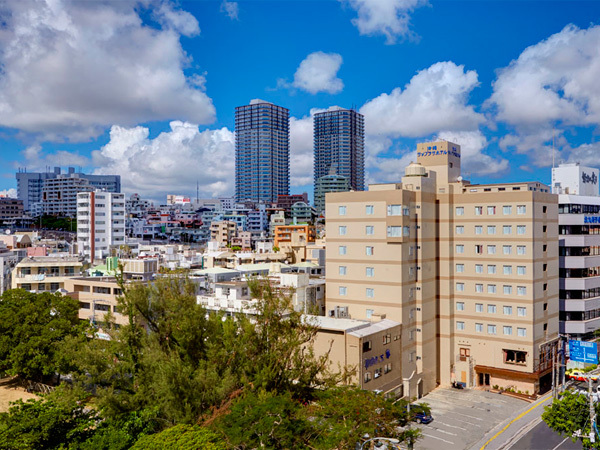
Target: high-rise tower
(262, 152)
(339, 143)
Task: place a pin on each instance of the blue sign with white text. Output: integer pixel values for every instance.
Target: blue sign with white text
(586, 352)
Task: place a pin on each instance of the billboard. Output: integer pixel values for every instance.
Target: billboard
(585, 352)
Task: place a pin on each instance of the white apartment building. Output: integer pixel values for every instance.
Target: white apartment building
(579, 249)
(100, 223)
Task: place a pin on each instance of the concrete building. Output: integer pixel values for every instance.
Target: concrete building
(262, 152)
(45, 273)
(579, 246)
(10, 208)
(285, 202)
(59, 195)
(223, 232)
(30, 185)
(8, 260)
(294, 239)
(326, 184)
(339, 146)
(100, 223)
(470, 271)
(303, 213)
(97, 297)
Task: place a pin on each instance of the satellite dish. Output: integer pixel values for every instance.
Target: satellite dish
(7, 231)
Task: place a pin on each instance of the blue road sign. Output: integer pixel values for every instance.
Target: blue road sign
(586, 352)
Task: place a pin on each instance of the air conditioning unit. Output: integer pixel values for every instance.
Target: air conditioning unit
(341, 312)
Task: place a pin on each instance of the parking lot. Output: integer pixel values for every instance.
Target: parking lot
(463, 417)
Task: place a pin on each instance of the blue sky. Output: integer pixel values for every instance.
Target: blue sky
(147, 89)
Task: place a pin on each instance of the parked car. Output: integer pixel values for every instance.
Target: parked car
(580, 375)
(421, 413)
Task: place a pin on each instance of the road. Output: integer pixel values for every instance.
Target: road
(541, 437)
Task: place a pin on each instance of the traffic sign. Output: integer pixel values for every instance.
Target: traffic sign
(586, 352)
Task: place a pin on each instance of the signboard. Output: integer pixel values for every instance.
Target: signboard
(586, 352)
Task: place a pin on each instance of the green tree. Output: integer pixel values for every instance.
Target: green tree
(569, 416)
(33, 328)
(181, 437)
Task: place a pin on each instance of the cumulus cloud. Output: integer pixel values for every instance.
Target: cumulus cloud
(301, 150)
(473, 160)
(390, 18)
(231, 9)
(171, 162)
(10, 193)
(435, 99)
(318, 73)
(70, 69)
(36, 160)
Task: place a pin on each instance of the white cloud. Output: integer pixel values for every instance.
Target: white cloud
(586, 154)
(318, 73)
(435, 99)
(11, 193)
(385, 17)
(172, 162)
(36, 160)
(231, 9)
(301, 150)
(473, 160)
(71, 69)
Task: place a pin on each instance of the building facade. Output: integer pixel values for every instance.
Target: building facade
(262, 153)
(470, 271)
(10, 208)
(579, 246)
(45, 273)
(326, 184)
(100, 223)
(339, 146)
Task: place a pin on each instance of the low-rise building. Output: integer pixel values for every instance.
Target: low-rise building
(223, 232)
(293, 240)
(45, 273)
(97, 297)
(10, 208)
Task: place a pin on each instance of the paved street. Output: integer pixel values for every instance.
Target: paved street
(463, 417)
(540, 437)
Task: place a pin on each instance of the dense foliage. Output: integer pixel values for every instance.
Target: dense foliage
(177, 375)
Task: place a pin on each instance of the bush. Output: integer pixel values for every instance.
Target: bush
(181, 437)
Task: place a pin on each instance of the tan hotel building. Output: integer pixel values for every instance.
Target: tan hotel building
(470, 271)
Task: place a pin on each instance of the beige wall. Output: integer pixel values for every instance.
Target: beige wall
(97, 296)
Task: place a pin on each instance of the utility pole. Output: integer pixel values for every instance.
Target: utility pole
(592, 416)
(553, 371)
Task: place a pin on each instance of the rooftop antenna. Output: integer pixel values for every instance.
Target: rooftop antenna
(197, 191)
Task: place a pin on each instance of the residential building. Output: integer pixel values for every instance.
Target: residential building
(579, 246)
(30, 185)
(470, 271)
(294, 239)
(100, 223)
(326, 184)
(223, 232)
(8, 260)
(97, 297)
(45, 273)
(285, 202)
(10, 208)
(59, 195)
(303, 213)
(339, 146)
(262, 153)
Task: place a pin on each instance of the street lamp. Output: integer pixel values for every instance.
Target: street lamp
(390, 440)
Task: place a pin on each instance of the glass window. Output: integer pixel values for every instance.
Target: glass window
(478, 210)
(406, 210)
(491, 210)
(369, 210)
(479, 307)
(507, 249)
(369, 313)
(393, 231)
(342, 230)
(394, 210)
(507, 289)
(369, 251)
(521, 290)
(491, 309)
(521, 209)
(343, 290)
(507, 270)
(460, 287)
(521, 270)
(521, 332)
(343, 270)
(342, 249)
(370, 292)
(460, 268)
(479, 288)
(507, 310)
(507, 229)
(460, 248)
(369, 230)
(506, 210)
(491, 268)
(478, 268)
(479, 249)
(342, 210)
(460, 326)
(521, 311)
(370, 271)
(491, 229)
(479, 327)
(478, 229)
(520, 249)
(460, 211)
(491, 329)
(491, 249)
(460, 306)
(491, 288)
(521, 229)
(507, 330)
(405, 230)
(460, 229)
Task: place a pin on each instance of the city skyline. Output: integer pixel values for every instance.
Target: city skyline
(160, 112)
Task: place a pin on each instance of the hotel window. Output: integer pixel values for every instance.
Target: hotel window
(491, 329)
(478, 229)
(491, 269)
(479, 307)
(521, 290)
(460, 211)
(370, 292)
(369, 230)
(478, 268)
(460, 229)
(394, 231)
(479, 249)
(507, 249)
(507, 289)
(369, 313)
(507, 270)
(377, 373)
(369, 251)
(478, 210)
(507, 229)
(342, 249)
(406, 211)
(491, 229)
(387, 338)
(491, 210)
(460, 268)
(491, 249)
(507, 330)
(506, 210)
(521, 209)
(507, 310)
(343, 290)
(491, 288)
(460, 287)
(521, 229)
(479, 327)
(367, 377)
(370, 271)
(460, 326)
(342, 210)
(491, 309)
(343, 270)
(387, 368)
(521, 311)
(369, 210)
(521, 270)
(520, 249)
(342, 230)
(405, 230)
(394, 210)
(479, 288)
(460, 248)
(522, 332)
(460, 306)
